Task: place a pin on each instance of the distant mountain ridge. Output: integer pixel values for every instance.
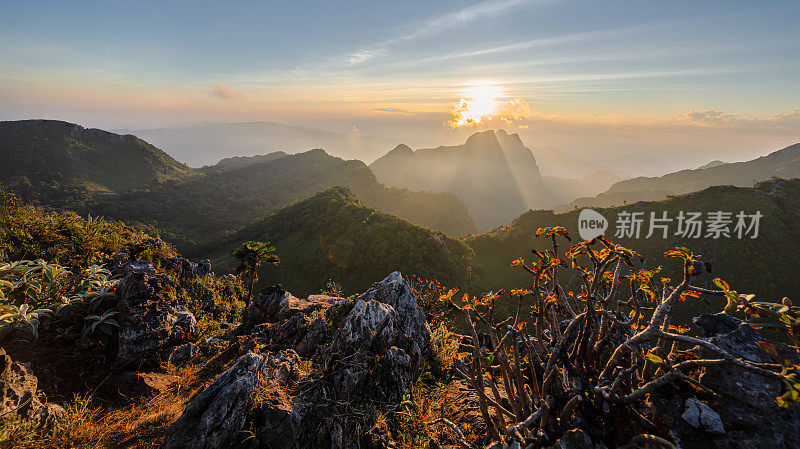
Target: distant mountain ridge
(784, 163)
(63, 165)
(43, 159)
(204, 143)
(493, 173)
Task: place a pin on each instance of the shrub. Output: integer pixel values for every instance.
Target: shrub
(563, 357)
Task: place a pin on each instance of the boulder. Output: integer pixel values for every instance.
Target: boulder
(379, 350)
(252, 390)
(275, 304)
(17, 388)
(742, 412)
(701, 416)
(179, 356)
(151, 323)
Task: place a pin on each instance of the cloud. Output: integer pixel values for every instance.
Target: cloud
(710, 117)
(512, 112)
(437, 25)
(225, 92)
(363, 55)
(461, 17)
(781, 121)
(398, 110)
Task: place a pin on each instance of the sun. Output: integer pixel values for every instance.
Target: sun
(479, 102)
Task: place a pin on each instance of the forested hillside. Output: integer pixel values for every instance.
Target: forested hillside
(765, 265)
(58, 163)
(333, 236)
(210, 204)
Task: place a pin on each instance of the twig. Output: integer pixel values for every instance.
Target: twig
(461, 440)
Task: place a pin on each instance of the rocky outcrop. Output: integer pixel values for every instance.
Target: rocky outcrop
(384, 337)
(252, 389)
(17, 388)
(362, 353)
(151, 322)
(275, 304)
(742, 411)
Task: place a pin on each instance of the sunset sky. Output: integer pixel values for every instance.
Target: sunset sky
(564, 73)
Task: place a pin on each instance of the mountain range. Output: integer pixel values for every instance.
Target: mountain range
(493, 173)
(63, 165)
(784, 163)
(335, 219)
(206, 142)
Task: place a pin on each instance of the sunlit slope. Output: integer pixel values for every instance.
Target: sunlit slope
(218, 201)
(332, 235)
(55, 162)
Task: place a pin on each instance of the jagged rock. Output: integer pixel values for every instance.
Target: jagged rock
(701, 416)
(150, 322)
(744, 401)
(396, 292)
(217, 416)
(17, 387)
(180, 355)
(382, 342)
(276, 304)
(316, 334)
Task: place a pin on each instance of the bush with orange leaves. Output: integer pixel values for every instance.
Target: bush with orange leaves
(577, 355)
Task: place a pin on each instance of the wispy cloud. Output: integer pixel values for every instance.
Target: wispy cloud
(363, 55)
(225, 92)
(781, 121)
(397, 110)
(438, 24)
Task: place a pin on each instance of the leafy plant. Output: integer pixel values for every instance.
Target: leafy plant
(251, 255)
(102, 323)
(559, 355)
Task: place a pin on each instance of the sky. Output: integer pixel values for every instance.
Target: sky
(709, 79)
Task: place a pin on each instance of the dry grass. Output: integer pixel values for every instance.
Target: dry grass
(87, 424)
(91, 423)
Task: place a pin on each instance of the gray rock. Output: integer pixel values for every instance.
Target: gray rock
(180, 355)
(150, 322)
(217, 416)
(396, 292)
(17, 388)
(701, 416)
(380, 348)
(275, 304)
(369, 323)
(744, 401)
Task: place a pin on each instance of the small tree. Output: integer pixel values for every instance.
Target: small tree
(251, 255)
